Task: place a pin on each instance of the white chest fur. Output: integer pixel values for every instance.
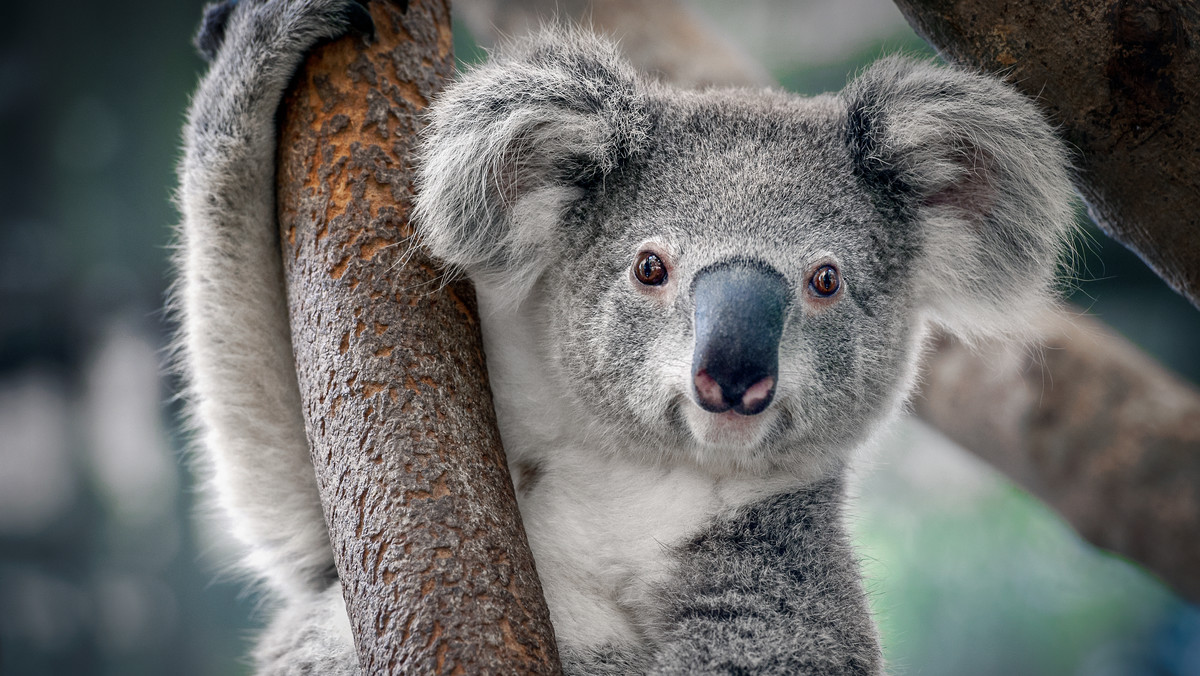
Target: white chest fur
(602, 529)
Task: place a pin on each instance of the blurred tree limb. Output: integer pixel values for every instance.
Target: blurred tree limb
(435, 568)
(1089, 424)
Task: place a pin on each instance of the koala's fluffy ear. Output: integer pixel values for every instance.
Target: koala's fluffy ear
(513, 144)
(975, 165)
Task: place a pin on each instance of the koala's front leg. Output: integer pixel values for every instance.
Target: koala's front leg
(235, 341)
(773, 589)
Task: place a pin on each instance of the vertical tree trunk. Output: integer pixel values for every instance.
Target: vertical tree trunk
(434, 563)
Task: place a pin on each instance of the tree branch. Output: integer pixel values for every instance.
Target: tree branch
(1122, 468)
(1090, 425)
(1122, 77)
(433, 560)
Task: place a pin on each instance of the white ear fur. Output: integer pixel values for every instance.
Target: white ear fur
(975, 165)
(510, 145)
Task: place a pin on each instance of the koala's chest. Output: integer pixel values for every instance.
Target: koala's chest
(603, 533)
(606, 534)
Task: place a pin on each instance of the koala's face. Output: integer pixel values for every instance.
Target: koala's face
(722, 295)
(740, 278)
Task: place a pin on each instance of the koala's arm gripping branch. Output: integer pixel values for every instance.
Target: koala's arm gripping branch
(1122, 77)
(433, 560)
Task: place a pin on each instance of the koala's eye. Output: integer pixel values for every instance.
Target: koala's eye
(650, 269)
(825, 281)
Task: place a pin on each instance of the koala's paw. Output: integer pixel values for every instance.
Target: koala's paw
(293, 26)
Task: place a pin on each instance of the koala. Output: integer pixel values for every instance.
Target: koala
(698, 306)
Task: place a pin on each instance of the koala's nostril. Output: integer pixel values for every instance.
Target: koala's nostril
(709, 394)
(757, 397)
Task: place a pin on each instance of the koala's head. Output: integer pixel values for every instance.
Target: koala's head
(741, 278)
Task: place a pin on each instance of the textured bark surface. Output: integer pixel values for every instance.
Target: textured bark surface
(1093, 427)
(1122, 77)
(436, 571)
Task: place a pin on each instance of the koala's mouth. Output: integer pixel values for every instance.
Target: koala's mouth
(729, 430)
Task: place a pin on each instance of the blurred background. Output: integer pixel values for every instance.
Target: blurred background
(104, 566)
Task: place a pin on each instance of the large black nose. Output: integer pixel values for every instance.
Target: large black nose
(740, 308)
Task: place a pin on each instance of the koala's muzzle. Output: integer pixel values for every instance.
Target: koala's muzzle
(740, 308)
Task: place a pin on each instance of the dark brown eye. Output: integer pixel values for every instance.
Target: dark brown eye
(650, 269)
(825, 281)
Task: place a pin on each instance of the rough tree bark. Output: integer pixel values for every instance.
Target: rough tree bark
(436, 571)
(1122, 77)
(1094, 427)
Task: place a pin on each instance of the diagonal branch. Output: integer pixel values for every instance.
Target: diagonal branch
(1090, 425)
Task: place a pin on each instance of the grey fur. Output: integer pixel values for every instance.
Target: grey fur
(789, 602)
(669, 541)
